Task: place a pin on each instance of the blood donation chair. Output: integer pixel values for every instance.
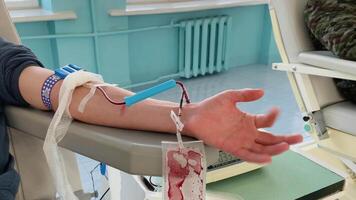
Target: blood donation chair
(36, 182)
(133, 152)
(329, 118)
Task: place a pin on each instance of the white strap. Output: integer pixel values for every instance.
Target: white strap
(179, 128)
(59, 127)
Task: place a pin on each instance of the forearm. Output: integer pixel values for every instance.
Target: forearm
(150, 115)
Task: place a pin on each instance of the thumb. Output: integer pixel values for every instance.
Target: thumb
(245, 95)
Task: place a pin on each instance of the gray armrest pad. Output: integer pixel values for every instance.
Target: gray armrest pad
(135, 152)
(325, 59)
(341, 116)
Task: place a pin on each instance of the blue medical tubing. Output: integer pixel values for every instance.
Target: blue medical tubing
(131, 100)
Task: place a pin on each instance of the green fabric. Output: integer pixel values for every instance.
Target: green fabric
(333, 23)
(290, 176)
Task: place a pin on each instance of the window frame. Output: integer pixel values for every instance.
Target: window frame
(22, 4)
(143, 2)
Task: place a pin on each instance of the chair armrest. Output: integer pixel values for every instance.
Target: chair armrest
(135, 152)
(312, 70)
(325, 59)
(318, 89)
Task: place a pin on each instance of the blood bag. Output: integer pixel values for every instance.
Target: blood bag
(184, 171)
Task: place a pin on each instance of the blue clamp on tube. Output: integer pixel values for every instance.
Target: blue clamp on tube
(130, 100)
(66, 70)
(103, 169)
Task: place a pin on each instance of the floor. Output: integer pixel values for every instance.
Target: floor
(277, 93)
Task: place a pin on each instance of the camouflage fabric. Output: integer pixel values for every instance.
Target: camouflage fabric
(333, 24)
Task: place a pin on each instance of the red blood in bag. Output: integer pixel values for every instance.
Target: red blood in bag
(192, 155)
(180, 164)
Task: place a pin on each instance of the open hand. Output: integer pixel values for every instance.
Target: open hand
(219, 123)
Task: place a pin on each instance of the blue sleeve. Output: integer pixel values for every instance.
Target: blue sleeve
(13, 59)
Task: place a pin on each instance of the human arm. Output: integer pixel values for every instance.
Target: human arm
(215, 120)
(141, 116)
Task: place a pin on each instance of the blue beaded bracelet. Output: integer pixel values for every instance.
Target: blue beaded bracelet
(47, 89)
(51, 81)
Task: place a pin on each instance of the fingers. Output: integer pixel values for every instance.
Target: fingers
(272, 150)
(266, 138)
(294, 139)
(267, 145)
(250, 156)
(259, 153)
(245, 95)
(266, 120)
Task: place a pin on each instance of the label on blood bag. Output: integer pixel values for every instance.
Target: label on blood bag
(184, 173)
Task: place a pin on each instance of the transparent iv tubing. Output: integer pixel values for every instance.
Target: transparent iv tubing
(184, 96)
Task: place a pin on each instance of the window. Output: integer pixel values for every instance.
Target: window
(21, 4)
(153, 1)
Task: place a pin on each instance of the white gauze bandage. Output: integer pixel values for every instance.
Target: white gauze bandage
(60, 124)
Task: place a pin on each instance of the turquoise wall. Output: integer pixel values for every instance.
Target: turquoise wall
(131, 50)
